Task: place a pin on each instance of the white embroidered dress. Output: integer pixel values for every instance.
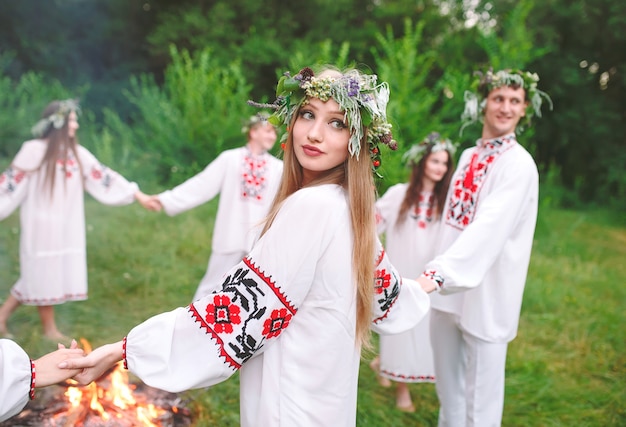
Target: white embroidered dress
(14, 379)
(285, 317)
(246, 185)
(53, 261)
(492, 206)
(407, 357)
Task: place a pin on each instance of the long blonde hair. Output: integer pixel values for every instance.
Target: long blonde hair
(355, 175)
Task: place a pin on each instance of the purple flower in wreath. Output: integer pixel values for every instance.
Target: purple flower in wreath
(353, 87)
(278, 321)
(222, 314)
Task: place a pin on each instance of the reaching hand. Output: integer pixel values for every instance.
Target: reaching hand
(47, 371)
(152, 203)
(91, 367)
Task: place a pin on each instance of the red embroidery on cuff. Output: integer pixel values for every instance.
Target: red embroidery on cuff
(124, 353)
(33, 376)
(435, 277)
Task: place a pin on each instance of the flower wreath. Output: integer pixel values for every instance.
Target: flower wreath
(359, 95)
(434, 140)
(476, 97)
(56, 119)
(259, 118)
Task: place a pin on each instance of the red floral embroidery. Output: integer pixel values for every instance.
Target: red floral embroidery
(470, 178)
(382, 281)
(423, 211)
(253, 180)
(222, 314)
(96, 174)
(278, 321)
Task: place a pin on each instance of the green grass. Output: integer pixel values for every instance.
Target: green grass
(566, 367)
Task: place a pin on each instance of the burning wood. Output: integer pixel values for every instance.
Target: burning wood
(110, 401)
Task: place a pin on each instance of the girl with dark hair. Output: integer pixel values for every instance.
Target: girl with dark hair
(409, 215)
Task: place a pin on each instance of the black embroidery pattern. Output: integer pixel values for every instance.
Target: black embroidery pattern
(386, 286)
(68, 167)
(102, 174)
(248, 310)
(10, 179)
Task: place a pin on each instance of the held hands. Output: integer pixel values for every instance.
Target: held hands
(152, 203)
(46, 367)
(95, 364)
(427, 285)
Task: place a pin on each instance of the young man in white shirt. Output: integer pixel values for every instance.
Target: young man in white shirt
(479, 278)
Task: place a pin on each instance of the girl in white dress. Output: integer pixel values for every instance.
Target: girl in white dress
(409, 215)
(47, 180)
(293, 315)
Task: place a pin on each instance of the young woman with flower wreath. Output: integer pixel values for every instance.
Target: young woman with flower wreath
(293, 315)
(47, 180)
(409, 215)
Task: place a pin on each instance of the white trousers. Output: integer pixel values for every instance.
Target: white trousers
(469, 372)
(219, 264)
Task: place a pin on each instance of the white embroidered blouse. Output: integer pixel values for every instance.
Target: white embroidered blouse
(285, 317)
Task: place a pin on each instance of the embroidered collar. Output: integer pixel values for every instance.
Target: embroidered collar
(496, 142)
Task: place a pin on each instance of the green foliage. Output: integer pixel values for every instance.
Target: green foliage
(108, 53)
(409, 71)
(21, 104)
(197, 113)
(511, 44)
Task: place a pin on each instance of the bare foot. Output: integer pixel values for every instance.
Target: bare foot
(383, 381)
(403, 398)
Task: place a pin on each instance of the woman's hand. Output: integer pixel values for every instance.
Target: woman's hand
(47, 371)
(152, 203)
(95, 364)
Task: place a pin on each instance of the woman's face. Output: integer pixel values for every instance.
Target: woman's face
(72, 124)
(320, 137)
(436, 166)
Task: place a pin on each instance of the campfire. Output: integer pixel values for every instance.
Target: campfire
(110, 401)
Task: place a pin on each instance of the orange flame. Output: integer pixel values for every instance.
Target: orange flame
(118, 397)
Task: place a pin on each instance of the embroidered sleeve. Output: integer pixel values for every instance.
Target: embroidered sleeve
(399, 303)
(13, 190)
(386, 286)
(209, 340)
(249, 310)
(104, 184)
(15, 378)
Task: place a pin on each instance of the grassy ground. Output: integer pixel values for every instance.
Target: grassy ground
(566, 368)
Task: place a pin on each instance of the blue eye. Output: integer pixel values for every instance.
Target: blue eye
(306, 114)
(338, 124)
